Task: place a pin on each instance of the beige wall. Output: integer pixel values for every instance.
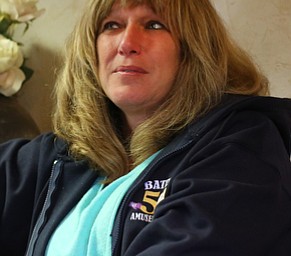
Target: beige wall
(43, 45)
(262, 27)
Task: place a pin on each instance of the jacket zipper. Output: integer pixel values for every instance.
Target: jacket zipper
(42, 217)
(120, 215)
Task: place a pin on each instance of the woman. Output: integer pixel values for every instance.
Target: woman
(163, 144)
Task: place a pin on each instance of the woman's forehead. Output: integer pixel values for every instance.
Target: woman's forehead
(115, 5)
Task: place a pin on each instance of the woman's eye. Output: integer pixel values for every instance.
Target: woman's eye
(111, 25)
(155, 25)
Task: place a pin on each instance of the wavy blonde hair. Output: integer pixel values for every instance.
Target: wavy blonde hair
(211, 65)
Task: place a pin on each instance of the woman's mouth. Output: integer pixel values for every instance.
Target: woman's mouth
(130, 70)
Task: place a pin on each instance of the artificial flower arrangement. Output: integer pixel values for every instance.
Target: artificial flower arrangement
(13, 72)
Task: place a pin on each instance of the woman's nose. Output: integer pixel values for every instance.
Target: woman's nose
(130, 43)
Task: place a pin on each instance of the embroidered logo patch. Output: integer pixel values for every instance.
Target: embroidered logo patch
(154, 193)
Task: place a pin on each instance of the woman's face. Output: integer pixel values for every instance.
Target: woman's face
(138, 60)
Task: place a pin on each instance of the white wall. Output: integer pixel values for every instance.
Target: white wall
(43, 45)
(262, 27)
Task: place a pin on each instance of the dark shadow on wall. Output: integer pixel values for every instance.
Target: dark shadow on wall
(36, 94)
(15, 122)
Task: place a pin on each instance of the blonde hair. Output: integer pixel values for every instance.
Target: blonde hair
(211, 65)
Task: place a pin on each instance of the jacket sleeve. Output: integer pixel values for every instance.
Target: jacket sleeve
(24, 169)
(228, 199)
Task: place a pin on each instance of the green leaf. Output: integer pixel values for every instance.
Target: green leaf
(27, 71)
(5, 23)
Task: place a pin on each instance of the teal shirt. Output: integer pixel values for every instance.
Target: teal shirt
(87, 228)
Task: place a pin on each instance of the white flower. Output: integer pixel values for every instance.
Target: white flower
(10, 54)
(20, 10)
(11, 58)
(13, 72)
(11, 81)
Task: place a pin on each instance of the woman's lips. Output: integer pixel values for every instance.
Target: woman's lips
(130, 70)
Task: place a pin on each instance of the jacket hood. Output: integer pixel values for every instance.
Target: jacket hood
(276, 109)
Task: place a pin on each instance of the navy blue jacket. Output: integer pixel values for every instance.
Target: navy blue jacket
(221, 187)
